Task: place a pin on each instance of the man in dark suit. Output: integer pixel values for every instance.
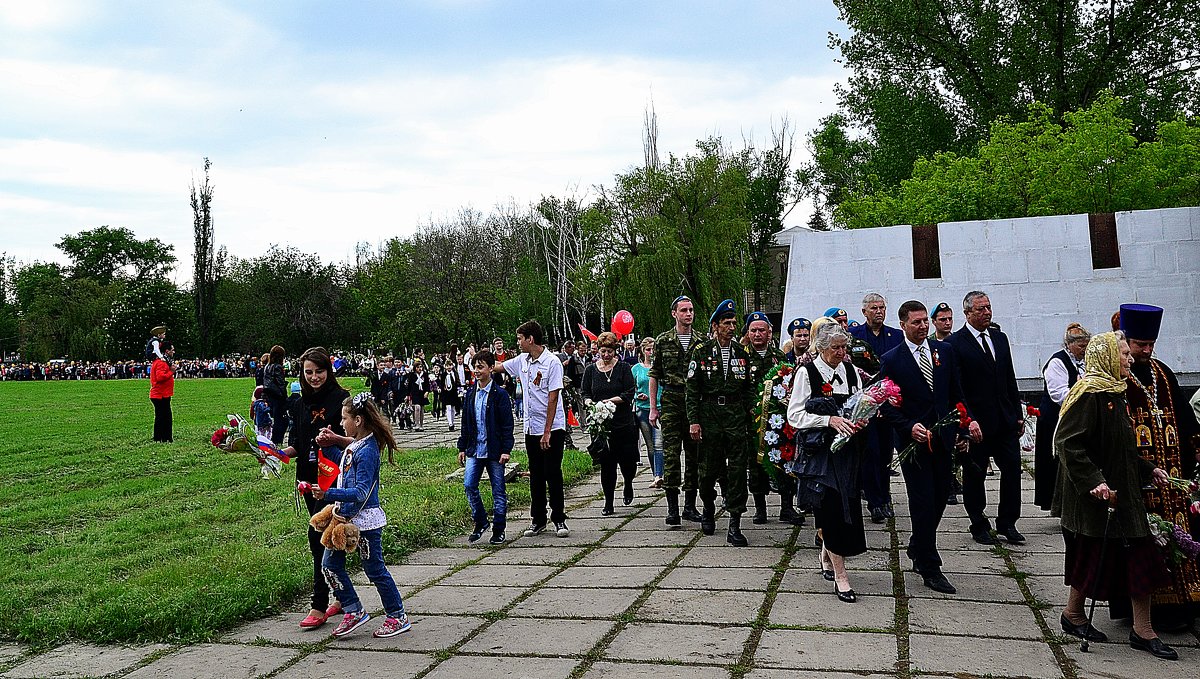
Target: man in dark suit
(927, 374)
(990, 390)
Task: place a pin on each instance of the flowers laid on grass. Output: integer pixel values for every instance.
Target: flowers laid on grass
(863, 405)
(957, 416)
(239, 436)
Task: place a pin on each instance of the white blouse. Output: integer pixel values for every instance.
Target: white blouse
(797, 416)
(1057, 379)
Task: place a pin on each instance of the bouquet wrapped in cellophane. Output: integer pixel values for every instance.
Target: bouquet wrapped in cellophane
(240, 436)
(863, 405)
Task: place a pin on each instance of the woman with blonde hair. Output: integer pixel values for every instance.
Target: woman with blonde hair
(651, 435)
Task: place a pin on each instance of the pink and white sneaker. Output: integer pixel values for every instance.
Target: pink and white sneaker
(351, 622)
(393, 626)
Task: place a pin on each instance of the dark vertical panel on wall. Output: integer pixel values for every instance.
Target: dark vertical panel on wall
(1102, 228)
(927, 252)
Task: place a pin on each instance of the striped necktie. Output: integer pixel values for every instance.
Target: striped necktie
(926, 366)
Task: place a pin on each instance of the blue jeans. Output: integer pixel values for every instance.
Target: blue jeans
(471, 476)
(370, 552)
(652, 437)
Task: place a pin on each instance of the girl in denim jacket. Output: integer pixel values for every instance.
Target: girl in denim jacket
(356, 497)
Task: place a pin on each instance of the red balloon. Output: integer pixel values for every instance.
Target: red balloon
(622, 323)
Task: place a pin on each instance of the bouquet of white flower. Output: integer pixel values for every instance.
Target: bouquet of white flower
(599, 422)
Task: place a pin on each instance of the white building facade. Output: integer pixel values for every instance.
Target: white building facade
(1041, 274)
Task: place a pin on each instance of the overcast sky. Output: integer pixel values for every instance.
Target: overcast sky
(330, 123)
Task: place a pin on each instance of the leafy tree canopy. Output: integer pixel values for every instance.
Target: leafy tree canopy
(931, 76)
(1091, 162)
(106, 254)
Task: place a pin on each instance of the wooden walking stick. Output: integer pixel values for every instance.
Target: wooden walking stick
(1112, 509)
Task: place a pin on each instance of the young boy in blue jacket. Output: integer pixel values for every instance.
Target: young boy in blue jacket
(485, 441)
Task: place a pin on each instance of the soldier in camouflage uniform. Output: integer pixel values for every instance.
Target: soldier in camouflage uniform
(720, 396)
(764, 356)
(668, 369)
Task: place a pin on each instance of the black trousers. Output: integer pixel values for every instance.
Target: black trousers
(623, 453)
(874, 473)
(927, 476)
(545, 477)
(1006, 451)
(320, 597)
(162, 419)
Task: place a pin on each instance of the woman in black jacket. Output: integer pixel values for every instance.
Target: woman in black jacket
(609, 379)
(321, 400)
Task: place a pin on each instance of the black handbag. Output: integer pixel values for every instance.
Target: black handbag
(598, 449)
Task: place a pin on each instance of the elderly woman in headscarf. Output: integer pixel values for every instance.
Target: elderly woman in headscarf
(1098, 459)
(1059, 374)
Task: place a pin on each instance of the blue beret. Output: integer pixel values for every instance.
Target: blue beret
(942, 306)
(725, 308)
(799, 323)
(678, 300)
(1141, 321)
(757, 316)
(852, 324)
(834, 312)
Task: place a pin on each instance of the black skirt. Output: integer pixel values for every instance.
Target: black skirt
(842, 537)
(1045, 464)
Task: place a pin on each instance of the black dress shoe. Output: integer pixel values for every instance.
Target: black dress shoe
(848, 596)
(1084, 631)
(877, 515)
(983, 537)
(627, 498)
(827, 574)
(938, 582)
(607, 511)
(952, 499)
(889, 511)
(1013, 535)
(690, 514)
(1154, 646)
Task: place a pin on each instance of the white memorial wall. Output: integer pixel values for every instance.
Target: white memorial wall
(1037, 271)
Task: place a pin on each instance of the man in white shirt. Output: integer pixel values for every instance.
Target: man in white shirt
(541, 375)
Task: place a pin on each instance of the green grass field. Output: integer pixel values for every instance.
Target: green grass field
(107, 536)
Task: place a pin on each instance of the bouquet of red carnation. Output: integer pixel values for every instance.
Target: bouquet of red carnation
(957, 416)
(863, 405)
(240, 436)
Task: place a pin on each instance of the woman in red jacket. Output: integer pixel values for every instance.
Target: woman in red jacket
(162, 388)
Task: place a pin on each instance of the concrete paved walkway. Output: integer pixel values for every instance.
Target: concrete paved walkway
(623, 596)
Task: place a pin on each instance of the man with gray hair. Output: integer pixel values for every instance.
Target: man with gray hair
(989, 386)
(875, 472)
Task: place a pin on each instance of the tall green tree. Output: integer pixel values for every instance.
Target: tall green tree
(930, 76)
(9, 324)
(144, 304)
(204, 261)
(285, 297)
(106, 255)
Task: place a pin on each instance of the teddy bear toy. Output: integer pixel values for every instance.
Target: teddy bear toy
(336, 532)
